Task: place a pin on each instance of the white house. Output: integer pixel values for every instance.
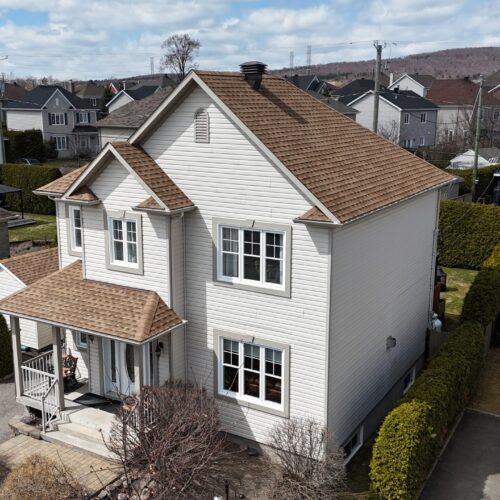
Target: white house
(420, 84)
(249, 238)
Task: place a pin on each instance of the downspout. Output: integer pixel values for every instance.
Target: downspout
(170, 294)
(184, 294)
(328, 324)
(434, 257)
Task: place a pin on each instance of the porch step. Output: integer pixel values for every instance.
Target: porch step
(91, 418)
(72, 441)
(82, 432)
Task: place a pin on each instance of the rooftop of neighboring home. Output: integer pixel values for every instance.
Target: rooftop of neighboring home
(492, 80)
(33, 266)
(11, 90)
(135, 113)
(424, 80)
(38, 97)
(88, 90)
(349, 172)
(355, 89)
(142, 92)
(460, 91)
(304, 82)
(334, 103)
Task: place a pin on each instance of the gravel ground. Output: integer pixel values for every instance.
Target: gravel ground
(8, 407)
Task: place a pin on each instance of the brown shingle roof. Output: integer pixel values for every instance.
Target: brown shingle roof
(61, 185)
(149, 203)
(153, 175)
(33, 266)
(458, 92)
(83, 194)
(66, 299)
(349, 169)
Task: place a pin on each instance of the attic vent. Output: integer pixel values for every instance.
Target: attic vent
(201, 126)
(253, 71)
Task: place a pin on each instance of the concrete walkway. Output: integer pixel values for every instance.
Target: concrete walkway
(93, 473)
(8, 407)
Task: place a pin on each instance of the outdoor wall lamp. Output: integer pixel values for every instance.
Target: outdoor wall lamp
(159, 348)
(390, 342)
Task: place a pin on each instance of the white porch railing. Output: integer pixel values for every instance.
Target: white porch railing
(50, 404)
(38, 375)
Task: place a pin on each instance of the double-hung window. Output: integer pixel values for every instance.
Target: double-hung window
(58, 119)
(83, 117)
(423, 117)
(251, 372)
(252, 256)
(406, 118)
(123, 241)
(61, 142)
(76, 228)
(81, 339)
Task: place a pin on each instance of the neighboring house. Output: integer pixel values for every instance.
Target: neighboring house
(11, 90)
(126, 96)
(420, 84)
(456, 99)
(404, 117)
(89, 90)
(62, 117)
(355, 89)
(249, 238)
(123, 122)
(335, 104)
(305, 82)
(486, 157)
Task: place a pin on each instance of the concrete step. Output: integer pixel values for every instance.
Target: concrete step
(77, 443)
(79, 431)
(91, 418)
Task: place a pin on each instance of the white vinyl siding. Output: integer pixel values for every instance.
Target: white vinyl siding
(229, 178)
(381, 280)
(24, 120)
(112, 134)
(119, 102)
(82, 366)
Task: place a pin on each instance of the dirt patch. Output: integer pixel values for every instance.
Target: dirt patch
(488, 392)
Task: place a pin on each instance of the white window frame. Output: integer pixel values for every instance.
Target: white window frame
(79, 342)
(74, 229)
(57, 119)
(125, 241)
(83, 117)
(422, 141)
(240, 279)
(356, 448)
(61, 142)
(410, 373)
(423, 117)
(406, 118)
(93, 100)
(239, 396)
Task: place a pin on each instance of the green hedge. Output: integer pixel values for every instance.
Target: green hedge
(29, 178)
(493, 261)
(468, 233)
(484, 176)
(412, 435)
(6, 363)
(28, 144)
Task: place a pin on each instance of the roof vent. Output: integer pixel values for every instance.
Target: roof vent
(253, 71)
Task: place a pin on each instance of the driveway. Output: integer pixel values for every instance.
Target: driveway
(470, 466)
(8, 407)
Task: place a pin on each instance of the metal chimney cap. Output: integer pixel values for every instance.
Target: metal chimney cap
(253, 67)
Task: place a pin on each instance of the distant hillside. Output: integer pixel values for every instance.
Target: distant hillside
(450, 63)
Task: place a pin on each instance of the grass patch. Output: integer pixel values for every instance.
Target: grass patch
(458, 284)
(44, 229)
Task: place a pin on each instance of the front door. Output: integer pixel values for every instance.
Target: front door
(119, 367)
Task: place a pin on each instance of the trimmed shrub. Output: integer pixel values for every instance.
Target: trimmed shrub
(482, 302)
(402, 451)
(412, 434)
(25, 144)
(28, 178)
(493, 261)
(6, 363)
(468, 233)
(484, 176)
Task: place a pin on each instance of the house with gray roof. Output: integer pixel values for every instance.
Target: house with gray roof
(335, 104)
(420, 84)
(64, 118)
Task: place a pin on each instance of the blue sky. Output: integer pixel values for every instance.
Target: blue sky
(106, 38)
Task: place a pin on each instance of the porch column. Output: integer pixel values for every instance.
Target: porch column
(58, 363)
(138, 367)
(156, 373)
(16, 354)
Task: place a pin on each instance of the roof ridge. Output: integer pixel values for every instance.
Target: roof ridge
(150, 308)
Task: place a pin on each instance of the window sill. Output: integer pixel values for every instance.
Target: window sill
(253, 288)
(125, 269)
(254, 406)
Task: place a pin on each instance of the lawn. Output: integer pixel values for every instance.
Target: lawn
(44, 229)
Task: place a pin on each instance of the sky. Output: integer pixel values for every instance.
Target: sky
(86, 39)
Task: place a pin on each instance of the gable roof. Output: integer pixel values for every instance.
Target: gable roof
(458, 92)
(333, 103)
(33, 266)
(142, 92)
(403, 99)
(423, 80)
(36, 98)
(89, 90)
(348, 169)
(11, 90)
(304, 82)
(355, 89)
(66, 299)
(61, 185)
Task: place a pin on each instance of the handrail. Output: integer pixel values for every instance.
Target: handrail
(38, 356)
(54, 405)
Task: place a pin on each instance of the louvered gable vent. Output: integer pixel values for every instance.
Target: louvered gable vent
(201, 126)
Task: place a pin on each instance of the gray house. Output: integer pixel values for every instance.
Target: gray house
(63, 117)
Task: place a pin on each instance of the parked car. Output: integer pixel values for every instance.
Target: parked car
(28, 161)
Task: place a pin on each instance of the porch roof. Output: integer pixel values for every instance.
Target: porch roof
(66, 299)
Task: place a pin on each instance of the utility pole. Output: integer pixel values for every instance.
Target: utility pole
(2, 99)
(308, 59)
(152, 65)
(292, 54)
(376, 90)
(478, 137)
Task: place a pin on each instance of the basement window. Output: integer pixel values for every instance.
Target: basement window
(201, 126)
(408, 380)
(353, 444)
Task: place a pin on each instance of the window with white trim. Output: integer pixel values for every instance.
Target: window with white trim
(123, 241)
(408, 380)
(61, 142)
(422, 141)
(251, 372)
(57, 119)
(93, 100)
(83, 117)
(423, 117)
(353, 444)
(81, 339)
(406, 118)
(251, 256)
(201, 126)
(76, 228)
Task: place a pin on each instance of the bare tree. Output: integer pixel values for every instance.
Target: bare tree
(312, 471)
(181, 51)
(167, 439)
(389, 130)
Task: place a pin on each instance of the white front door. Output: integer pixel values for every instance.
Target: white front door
(119, 367)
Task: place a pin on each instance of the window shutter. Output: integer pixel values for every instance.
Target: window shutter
(77, 117)
(65, 118)
(88, 117)
(50, 118)
(201, 126)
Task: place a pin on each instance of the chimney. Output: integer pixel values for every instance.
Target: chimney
(391, 79)
(253, 72)
(396, 90)
(124, 85)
